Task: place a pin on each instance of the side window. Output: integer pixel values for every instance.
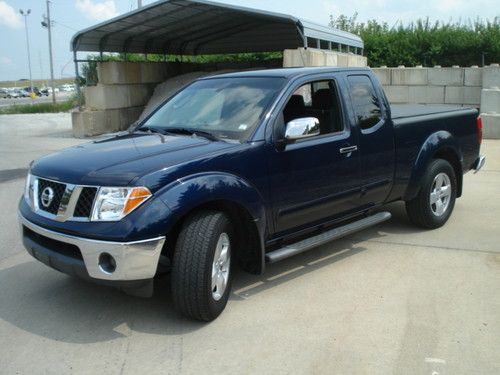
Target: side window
(364, 101)
(316, 99)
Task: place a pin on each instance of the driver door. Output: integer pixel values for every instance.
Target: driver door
(316, 178)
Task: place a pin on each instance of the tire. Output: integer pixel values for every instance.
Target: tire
(421, 210)
(200, 238)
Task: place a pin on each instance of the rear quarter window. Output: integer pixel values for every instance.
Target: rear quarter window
(365, 101)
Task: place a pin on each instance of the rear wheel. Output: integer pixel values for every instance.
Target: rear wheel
(201, 272)
(433, 205)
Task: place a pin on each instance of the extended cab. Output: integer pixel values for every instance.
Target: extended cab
(243, 168)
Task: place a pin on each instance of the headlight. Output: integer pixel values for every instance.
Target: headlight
(114, 203)
(29, 189)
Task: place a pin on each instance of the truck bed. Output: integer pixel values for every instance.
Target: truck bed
(402, 111)
(414, 123)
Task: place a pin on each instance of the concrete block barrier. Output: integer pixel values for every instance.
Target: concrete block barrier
(103, 97)
(397, 94)
(490, 100)
(426, 94)
(463, 95)
(473, 76)
(300, 57)
(383, 75)
(409, 76)
(491, 125)
(125, 72)
(92, 123)
(446, 76)
(491, 76)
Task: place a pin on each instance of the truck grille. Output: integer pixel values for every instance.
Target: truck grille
(85, 201)
(61, 201)
(58, 192)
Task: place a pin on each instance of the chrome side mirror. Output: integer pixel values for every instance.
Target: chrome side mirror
(301, 128)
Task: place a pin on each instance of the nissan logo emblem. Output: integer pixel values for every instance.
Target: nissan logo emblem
(47, 197)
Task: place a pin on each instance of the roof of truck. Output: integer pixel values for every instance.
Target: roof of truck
(288, 73)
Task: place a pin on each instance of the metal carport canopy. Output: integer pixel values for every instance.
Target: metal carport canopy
(198, 27)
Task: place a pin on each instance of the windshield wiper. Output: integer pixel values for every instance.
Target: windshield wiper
(150, 129)
(190, 131)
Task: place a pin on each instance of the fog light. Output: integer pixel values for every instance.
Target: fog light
(107, 263)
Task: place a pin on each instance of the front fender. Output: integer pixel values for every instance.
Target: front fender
(184, 195)
(433, 144)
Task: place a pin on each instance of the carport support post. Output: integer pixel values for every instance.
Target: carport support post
(304, 38)
(77, 81)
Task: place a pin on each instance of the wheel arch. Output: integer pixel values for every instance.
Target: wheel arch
(223, 192)
(439, 145)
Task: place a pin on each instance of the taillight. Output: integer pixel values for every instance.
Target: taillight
(479, 129)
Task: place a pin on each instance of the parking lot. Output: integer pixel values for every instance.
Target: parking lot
(390, 300)
(60, 96)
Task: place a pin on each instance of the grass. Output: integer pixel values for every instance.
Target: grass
(65, 106)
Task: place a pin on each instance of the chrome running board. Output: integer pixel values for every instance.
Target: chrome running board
(330, 235)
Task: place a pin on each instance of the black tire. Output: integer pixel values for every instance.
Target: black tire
(192, 265)
(420, 210)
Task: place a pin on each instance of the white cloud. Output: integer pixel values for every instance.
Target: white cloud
(5, 60)
(97, 10)
(9, 17)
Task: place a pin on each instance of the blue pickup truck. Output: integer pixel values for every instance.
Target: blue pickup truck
(243, 169)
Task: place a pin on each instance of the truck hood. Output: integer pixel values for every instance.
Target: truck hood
(120, 160)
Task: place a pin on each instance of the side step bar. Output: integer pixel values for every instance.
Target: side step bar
(320, 239)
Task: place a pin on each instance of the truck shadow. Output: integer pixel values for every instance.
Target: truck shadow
(52, 305)
(246, 286)
(399, 223)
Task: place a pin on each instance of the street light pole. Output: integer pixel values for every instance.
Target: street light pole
(49, 28)
(25, 15)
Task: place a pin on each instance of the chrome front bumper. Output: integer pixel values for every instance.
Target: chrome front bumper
(136, 260)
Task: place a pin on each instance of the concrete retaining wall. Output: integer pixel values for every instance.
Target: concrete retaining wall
(432, 85)
(300, 57)
(472, 86)
(125, 88)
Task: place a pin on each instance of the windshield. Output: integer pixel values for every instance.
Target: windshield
(228, 108)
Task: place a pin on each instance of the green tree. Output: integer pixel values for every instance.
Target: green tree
(425, 43)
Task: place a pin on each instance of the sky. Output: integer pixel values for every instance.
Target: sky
(69, 16)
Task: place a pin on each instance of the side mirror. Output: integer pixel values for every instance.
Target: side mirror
(301, 128)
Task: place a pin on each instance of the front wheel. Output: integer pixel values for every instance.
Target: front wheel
(201, 271)
(433, 205)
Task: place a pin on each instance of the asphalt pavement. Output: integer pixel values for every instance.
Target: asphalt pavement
(392, 299)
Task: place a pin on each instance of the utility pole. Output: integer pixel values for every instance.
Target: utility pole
(48, 24)
(25, 15)
(139, 4)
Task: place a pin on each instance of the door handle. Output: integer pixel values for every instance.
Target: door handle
(348, 150)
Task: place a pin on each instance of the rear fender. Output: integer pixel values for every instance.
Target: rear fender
(435, 144)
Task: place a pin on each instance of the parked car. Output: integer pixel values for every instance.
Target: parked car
(67, 88)
(247, 168)
(49, 90)
(20, 93)
(9, 93)
(34, 89)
